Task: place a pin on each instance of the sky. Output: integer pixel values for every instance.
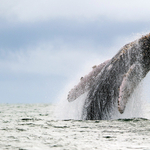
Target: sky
(46, 46)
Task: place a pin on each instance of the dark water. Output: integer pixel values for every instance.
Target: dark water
(34, 127)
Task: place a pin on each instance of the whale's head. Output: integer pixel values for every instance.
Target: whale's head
(144, 44)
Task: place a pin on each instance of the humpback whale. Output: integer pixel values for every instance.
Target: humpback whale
(110, 84)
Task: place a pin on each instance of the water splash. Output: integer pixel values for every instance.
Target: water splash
(117, 79)
(135, 108)
(70, 110)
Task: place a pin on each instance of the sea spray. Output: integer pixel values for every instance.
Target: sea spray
(73, 110)
(116, 83)
(135, 107)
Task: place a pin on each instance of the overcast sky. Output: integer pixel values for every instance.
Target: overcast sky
(46, 45)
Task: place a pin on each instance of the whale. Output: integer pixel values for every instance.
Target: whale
(110, 84)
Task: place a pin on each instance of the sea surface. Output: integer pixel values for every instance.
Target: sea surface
(35, 127)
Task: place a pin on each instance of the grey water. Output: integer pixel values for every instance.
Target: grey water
(35, 127)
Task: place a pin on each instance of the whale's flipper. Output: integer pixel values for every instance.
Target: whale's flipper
(85, 82)
(129, 82)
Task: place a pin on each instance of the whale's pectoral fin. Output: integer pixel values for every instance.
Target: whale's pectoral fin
(129, 83)
(86, 82)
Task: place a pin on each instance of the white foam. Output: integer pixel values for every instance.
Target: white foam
(136, 105)
(71, 110)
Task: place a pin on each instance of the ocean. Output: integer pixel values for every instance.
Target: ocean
(36, 127)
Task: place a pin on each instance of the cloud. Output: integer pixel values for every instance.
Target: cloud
(72, 32)
(39, 73)
(46, 59)
(37, 10)
(44, 44)
(58, 57)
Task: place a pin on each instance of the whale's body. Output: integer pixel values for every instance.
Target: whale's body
(111, 84)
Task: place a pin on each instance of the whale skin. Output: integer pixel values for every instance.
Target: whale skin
(110, 84)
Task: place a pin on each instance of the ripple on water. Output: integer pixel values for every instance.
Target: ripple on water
(26, 129)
